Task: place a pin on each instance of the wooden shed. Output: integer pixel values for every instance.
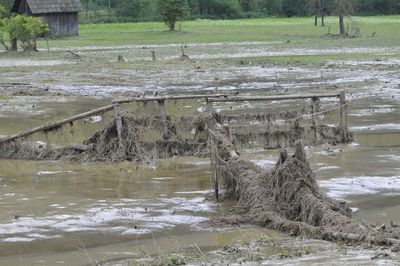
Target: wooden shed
(61, 15)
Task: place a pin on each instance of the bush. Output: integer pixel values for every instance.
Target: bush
(21, 28)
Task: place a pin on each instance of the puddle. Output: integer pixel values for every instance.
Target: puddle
(378, 127)
(341, 188)
(25, 62)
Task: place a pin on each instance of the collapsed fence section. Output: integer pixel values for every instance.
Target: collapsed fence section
(141, 137)
(272, 130)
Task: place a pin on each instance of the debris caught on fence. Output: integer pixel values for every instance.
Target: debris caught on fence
(287, 198)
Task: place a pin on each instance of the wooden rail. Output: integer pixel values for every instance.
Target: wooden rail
(315, 107)
(117, 117)
(166, 98)
(272, 98)
(49, 126)
(210, 98)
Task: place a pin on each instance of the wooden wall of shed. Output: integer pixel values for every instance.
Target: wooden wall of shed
(62, 24)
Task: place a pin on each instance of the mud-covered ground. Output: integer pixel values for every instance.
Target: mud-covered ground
(58, 213)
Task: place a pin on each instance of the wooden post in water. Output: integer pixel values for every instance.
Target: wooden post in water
(216, 181)
(213, 142)
(343, 115)
(163, 116)
(118, 124)
(343, 110)
(316, 121)
(210, 111)
(153, 55)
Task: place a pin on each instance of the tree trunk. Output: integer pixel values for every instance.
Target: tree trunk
(14, 45)
(171, 25)
(316, 14)
(322, 9)
(341, 24)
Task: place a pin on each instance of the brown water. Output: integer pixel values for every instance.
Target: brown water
(56, 213)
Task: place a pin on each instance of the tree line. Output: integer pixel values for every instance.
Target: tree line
(148, 10)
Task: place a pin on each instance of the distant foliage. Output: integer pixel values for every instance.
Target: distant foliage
(2, 12)
(145, 10)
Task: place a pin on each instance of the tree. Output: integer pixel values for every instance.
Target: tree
(343, 8)
(318, 8)
(172, 10)
(21, 28)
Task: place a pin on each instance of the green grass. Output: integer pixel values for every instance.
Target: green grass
(4, 97)
(298, 30)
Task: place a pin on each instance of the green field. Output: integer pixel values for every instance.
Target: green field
(298, 30)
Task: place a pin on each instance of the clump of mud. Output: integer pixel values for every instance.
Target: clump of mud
(287, 198)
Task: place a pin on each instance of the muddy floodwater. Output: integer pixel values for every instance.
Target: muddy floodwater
(55, 213)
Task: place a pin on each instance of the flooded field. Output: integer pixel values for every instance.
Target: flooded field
(55, 213)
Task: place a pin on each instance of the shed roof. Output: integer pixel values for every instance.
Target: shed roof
(49, 6)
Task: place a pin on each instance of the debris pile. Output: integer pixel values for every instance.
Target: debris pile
(287, 198)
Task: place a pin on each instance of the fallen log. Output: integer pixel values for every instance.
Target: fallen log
(287, 198)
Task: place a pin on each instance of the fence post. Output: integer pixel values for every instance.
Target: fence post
(163, 116)
(343, 116)
(214, 165)
(118, 124)
(213, 142)
(153, 55)
(343, 110)
(316, 121)
(210, 111)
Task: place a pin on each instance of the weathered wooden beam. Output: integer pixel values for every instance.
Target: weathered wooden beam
(118, 124)
(166, 98)
(49, 126)
(343, 110)
(316, 121)
(343, 115)
(272, 98)
(74, 54)
(163, 116)
(214, 164)
(211, 120)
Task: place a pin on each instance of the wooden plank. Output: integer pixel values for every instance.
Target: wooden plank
(343, 110)
(216, 172)
(210, 120)
(166, 98)
(163, 116)
(315, 109)
(272, 98)
(49, 126)
(118, 124)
